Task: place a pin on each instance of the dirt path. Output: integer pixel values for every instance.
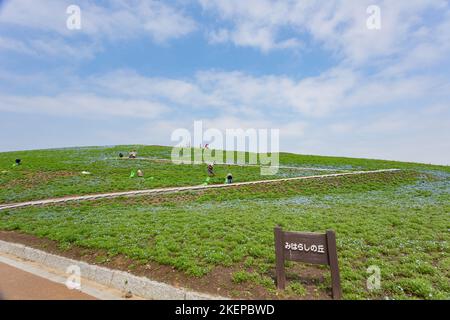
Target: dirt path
(173, 190)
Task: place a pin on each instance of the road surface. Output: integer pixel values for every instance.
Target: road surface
(16, 284)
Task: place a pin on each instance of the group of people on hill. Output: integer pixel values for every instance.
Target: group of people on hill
(210, 168)
(131, 155)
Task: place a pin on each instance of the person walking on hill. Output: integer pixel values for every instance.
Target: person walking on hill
(211, 170)
(132, 154)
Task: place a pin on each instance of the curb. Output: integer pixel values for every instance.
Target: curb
(110, 195)
(120, 280)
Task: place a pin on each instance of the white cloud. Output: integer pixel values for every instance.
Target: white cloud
(400, 135)
(82, 106)
(9, 44)
(120, 20)
(350, 109)
(236, 92)
(339, 26)
(256, 23)
(219, 93)
(316, 115)
(219, 36)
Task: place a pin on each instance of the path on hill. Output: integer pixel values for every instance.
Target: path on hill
(228, 164)
(175, 189)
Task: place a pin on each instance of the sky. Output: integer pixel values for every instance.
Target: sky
(135, 71)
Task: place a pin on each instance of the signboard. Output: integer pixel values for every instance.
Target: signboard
(315, 248)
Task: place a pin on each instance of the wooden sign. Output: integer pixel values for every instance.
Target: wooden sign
(315, 248)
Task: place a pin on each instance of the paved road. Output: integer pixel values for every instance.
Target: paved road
(16, 284)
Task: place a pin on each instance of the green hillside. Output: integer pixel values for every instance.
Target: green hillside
(56, 173)
(221, 241)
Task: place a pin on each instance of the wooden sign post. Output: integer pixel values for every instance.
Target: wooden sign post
(315, 248)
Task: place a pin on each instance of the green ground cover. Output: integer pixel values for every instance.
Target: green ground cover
(55, 173)
(396, 221)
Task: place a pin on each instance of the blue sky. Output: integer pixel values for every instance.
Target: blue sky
(138, 70)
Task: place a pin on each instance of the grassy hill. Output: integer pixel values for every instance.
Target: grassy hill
(56, 173)
(221, 241)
